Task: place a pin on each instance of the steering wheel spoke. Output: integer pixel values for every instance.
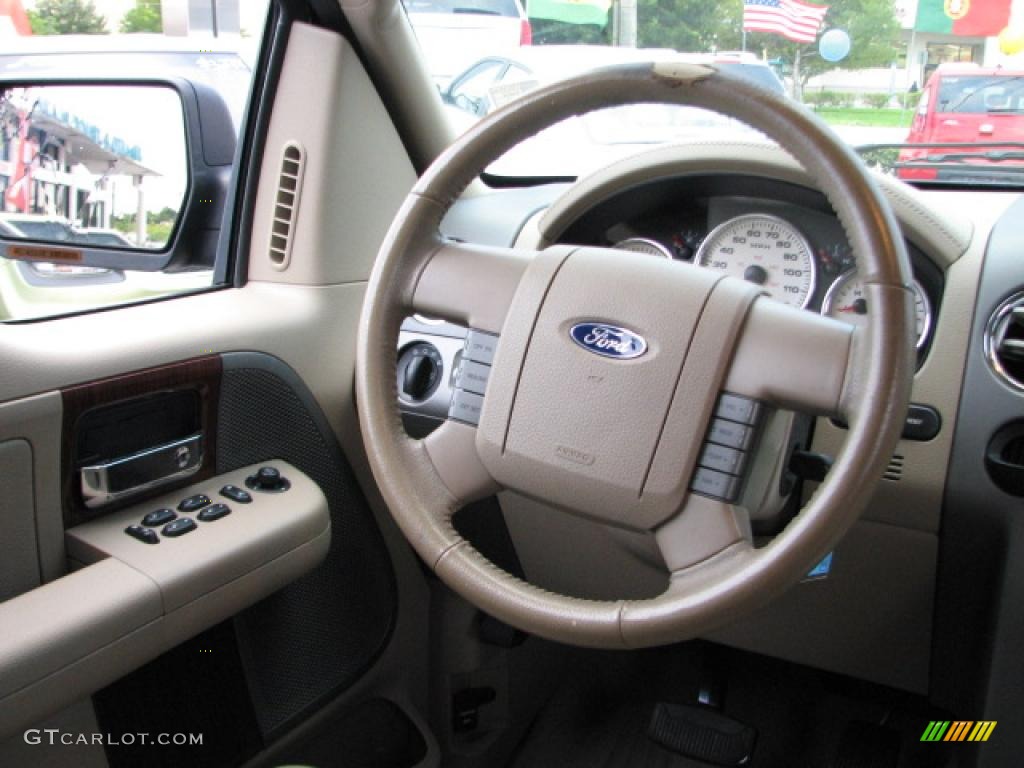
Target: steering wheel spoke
(471, 285)
(704, 528)
(790, 358)
(452, 450)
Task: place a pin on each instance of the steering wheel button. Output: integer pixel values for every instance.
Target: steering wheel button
(718, 485)
(466, 407)
(730, 433)
(472, 377)
(723, 459)
(736, 408)
(480, 346)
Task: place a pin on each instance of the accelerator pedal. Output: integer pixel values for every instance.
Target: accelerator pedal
(701, 733)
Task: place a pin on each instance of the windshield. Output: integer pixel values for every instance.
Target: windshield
(886, 75)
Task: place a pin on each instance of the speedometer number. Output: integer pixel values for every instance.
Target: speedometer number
(764, 250)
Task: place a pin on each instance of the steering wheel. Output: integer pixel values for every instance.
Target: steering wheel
(608, 367)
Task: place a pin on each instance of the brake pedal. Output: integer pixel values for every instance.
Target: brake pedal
(702, 734)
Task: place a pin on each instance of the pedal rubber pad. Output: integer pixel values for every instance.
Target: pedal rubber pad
(701, 733)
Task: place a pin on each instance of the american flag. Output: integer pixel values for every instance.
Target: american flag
(792, 19)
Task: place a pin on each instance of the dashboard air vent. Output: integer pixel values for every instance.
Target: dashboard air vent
(286, 205)
(1004, 341)
(894, 471)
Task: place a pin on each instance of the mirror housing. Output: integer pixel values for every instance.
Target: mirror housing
(210, 146)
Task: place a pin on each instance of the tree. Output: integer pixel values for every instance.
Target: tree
(697, 25)
(66, 17)
(871, 25)
(144, 17)
(689, 25)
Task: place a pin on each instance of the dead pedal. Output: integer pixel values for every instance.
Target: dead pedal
(701, 734)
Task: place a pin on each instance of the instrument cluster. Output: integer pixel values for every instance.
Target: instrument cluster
(799, 256)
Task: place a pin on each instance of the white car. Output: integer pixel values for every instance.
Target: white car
(455, 33)
(579, 144)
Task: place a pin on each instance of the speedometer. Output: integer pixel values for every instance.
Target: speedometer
(845, 301)
(764, 250)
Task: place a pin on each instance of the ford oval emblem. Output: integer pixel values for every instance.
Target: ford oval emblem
(608, 340)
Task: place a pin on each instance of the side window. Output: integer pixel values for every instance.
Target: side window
(116, 154)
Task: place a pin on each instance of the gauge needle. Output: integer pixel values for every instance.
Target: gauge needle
(860, 306)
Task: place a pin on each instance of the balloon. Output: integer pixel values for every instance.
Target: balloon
(834, 45)
(1011, 40)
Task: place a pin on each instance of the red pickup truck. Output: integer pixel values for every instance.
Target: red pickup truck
(976, 115)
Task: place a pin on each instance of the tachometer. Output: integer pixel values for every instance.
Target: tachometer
(765, 250)
(644, 245)
(845, 301)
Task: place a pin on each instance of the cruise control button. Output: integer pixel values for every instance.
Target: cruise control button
(717, 484)
(472, 377)
(480, 346)
(466, 407)
(142, 534)
(179, 527)
(723, 459)
(736, 408)
(235, 493)
(213, 512)
(731, 433)
(192, 503)
(159, 517)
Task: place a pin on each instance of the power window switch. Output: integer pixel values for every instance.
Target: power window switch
(192, 503)
(142, 534)
(179, 527)
(158, 517)
(213, 512)
(236, 494)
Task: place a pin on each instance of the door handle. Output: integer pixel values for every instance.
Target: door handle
(126, 476)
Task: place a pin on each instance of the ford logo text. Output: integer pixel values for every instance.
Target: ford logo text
(608, 340)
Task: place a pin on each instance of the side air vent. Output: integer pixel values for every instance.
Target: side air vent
(894, 471)
(286, 205)
(1004, 341)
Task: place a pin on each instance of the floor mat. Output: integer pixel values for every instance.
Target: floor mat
(598, 718)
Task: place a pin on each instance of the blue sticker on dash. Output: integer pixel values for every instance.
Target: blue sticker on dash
(821, 570)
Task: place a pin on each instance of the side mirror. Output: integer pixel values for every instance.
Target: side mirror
(114, 175)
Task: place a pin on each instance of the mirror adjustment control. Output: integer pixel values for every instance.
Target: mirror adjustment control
(179, 527)
(142, 534)
(159, 517)
(192, 503)
(236, 494)
(269, 480)
(213, 512)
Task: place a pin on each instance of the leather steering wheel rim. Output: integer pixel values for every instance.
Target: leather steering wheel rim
(425, 482)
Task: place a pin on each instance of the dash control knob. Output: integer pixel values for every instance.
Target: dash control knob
(269, 480)
(419, 371)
